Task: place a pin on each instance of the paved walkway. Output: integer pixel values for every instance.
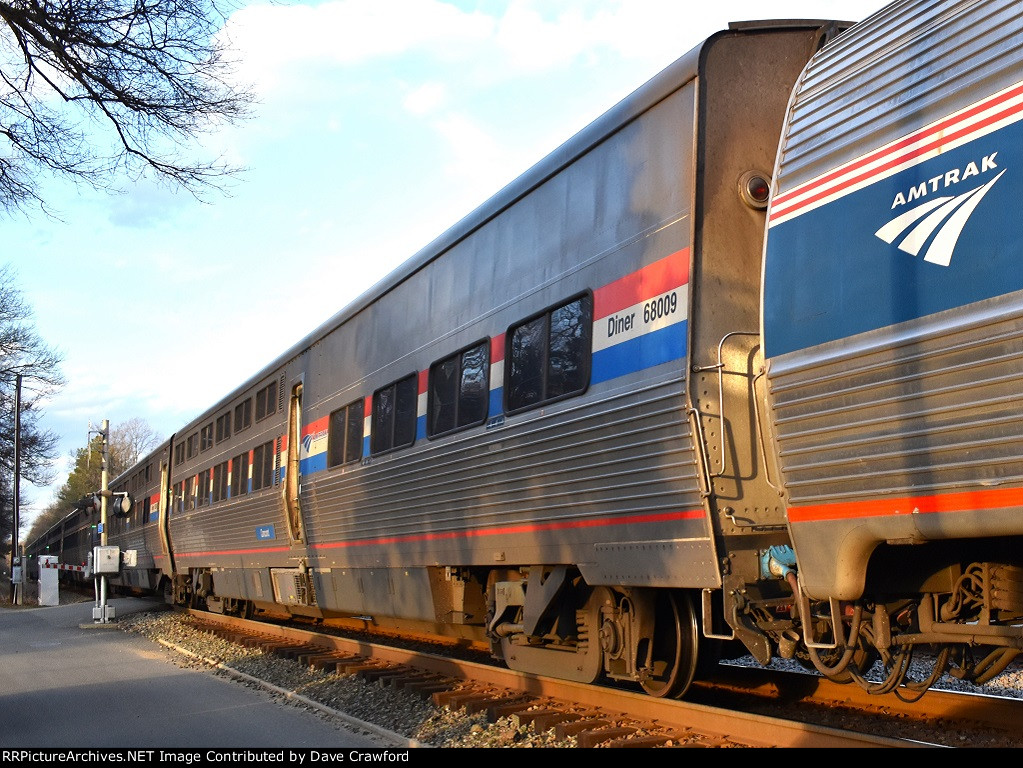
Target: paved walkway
(67, 682)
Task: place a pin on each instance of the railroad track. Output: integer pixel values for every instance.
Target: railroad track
(592, 716)
(947, 717)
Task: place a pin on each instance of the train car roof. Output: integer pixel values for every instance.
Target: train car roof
(666, 82)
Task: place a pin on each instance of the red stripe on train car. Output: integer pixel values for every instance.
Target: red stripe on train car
(692, 514)
(966, 501)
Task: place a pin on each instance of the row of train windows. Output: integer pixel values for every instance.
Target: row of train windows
(548, 359)
(227, 479)
(140, 479)
(206, 437)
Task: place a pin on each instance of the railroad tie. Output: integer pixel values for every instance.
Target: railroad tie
(321, 659)
(546, 721)
(591, 738)
(529, 716)
(470, 701)
(567, 729)
(416, 676)
(489, 703)
(428, 688)
(377, 674)
(651, 740)
(294, 652)
(354, 665)
(510, 709)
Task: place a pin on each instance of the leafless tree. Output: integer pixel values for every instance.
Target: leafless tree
(129, 442)
(148, 74)
(22, 352)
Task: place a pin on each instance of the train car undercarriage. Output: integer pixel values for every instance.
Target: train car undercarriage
(546, 620)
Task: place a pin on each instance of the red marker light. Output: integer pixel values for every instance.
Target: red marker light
(755, 189)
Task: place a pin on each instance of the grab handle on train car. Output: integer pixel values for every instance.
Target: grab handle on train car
(719, 366)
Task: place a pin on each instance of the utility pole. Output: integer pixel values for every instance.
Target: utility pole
(17, 566)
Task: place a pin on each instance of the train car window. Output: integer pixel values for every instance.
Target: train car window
(393, 423)
(549, 355)
(149, 472)
(458, 391)
(179, 453)
(206, 437)
(266, 401)
(243, 416)
(220, 481)
(202, 491)
(189, 493)
(177, 498)
(193, 445)
(223, 427)
(263, 466)
(240, 474)
(344, 435)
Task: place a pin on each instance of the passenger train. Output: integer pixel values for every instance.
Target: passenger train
(735, 370)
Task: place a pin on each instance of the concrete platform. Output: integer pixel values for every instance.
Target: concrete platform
(66, 682)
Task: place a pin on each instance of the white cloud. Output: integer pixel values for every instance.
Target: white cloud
(426, 98)
(275, 41)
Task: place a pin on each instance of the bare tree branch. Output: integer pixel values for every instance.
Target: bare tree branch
(153, 72)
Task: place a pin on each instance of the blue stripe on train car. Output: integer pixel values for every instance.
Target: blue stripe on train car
(662, 346)
(848, 280)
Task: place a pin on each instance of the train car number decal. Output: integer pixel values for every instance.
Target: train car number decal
(639, 320)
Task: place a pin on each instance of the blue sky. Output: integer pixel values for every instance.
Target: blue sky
(379, 124)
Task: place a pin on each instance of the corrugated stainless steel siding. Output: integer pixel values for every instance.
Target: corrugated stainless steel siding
(930, 405)
(870, 85)
(226, 532)
(626, 455)
(927, 411)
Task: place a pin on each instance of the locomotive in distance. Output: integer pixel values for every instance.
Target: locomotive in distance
(633, 415)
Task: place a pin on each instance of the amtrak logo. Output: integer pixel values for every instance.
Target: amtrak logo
(943, 219)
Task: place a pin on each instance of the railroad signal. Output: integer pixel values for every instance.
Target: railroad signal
(88, 503)
(121, 504)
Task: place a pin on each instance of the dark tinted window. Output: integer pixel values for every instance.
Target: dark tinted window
(206, 437)
(344, 437)
(549, 355)
(459, 389)
(202, 491)
(223, 426)
(394, 415)
(240, 474)
(266, 400)
(243, 415)
(263, 466)
(220, 481)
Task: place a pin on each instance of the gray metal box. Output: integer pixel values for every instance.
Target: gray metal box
(106, 559)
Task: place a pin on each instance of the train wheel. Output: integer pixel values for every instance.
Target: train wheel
(675, 644)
